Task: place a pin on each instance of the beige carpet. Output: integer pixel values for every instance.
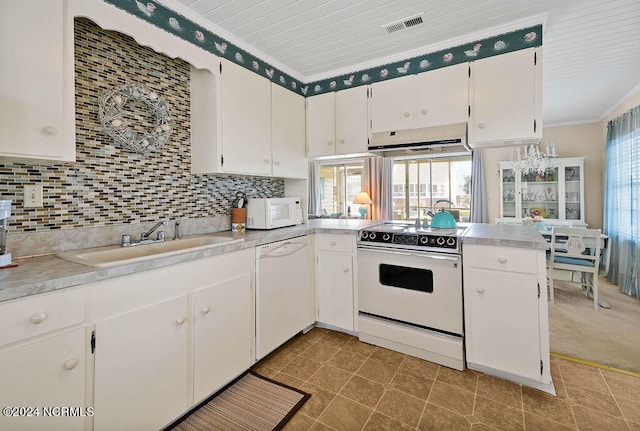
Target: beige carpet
(253, 403)
(608, 337)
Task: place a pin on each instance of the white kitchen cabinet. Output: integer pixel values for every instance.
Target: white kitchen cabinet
(335, 281)
(436, 98)
(223, 333)
(48, 372)
(506, 318)
(321, 128)
(288, 148)
(352, 120)
(506, 99)
(392, 104)
(37, 81)
(442, 96)
(246, 121)
(337, 123)
(142, 366)
(557, 196)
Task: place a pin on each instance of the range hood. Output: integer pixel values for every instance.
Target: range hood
(424, 141)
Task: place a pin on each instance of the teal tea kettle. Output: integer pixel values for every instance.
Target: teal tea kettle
(442, 219)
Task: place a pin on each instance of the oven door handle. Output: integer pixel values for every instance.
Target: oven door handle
(412, 253)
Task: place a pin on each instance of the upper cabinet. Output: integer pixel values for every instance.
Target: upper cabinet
(435, 98)
(242, 123)
(246, 121)
(37, 83)
(288, 133)
(506, 99)
(337, 123)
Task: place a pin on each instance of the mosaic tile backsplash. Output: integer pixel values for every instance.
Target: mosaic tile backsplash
(108, 185)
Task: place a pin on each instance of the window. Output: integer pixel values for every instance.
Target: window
(339, 185)
(419, 183)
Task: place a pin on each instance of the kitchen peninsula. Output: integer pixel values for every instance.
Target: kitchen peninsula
(57, 308)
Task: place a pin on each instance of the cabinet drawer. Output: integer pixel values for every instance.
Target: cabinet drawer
(501, 258)
(333, 242)
(37, 315)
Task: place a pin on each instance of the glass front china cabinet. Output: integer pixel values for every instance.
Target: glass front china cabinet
(557, 196)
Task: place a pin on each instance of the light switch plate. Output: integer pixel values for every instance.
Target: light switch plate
(33, 196)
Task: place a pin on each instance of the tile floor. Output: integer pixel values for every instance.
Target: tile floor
(357, 386)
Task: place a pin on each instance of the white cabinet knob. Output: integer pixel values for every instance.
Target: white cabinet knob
(39, 317)
(480, 290)
(345, 269)
(70, 364)
(49, 130)
(333, 243)
(502, 259)
(277, 163)
(267, 160)
(180, 320)
(424, 112)
(406, 114)
(205, 310)
(342, 141)
(330, 143)
(482, 125)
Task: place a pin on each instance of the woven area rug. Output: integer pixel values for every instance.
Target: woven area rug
(252, 403)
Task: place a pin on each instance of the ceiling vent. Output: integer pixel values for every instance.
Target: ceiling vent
(403, 24)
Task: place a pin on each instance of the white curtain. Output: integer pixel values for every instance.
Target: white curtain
(479, 211)
(622, 201)
(377, 182)
(314, 188)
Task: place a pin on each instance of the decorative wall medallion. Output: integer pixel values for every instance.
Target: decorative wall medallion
(114, 118)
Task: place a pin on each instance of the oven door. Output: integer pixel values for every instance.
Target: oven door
(414, 287)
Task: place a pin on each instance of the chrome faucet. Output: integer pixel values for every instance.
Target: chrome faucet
(145, 235)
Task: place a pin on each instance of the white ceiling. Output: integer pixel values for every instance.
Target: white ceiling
(591, 48)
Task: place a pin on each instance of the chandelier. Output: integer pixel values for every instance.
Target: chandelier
(532, 160)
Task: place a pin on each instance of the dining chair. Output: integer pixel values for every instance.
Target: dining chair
(576, 250)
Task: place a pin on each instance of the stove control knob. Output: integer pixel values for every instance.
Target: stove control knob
(386, 237)
(451, 241)
(424, 239)
(440, 240)
(372, 236)
(364, 235)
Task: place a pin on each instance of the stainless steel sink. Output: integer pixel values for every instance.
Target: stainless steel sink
(117, 255)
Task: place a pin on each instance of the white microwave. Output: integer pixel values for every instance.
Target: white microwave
(271, 213)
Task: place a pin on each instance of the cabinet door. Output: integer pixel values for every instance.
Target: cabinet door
(442, 96)
(321, 125)
(288, 134)
(335, 290)
(504, 92)
(224, 328)
(352, 115)
(47, 373)
(142, 366)
(392, 104)
(246, 121)
(502, 322)
(574, 190)
(32, 82)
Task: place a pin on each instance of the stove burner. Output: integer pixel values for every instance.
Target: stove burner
(395, 235)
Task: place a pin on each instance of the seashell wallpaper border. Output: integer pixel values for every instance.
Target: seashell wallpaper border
(176, 24)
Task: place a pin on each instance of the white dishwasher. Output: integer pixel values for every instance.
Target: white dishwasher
(285, 301)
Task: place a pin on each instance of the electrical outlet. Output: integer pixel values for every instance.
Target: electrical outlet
(33, 196)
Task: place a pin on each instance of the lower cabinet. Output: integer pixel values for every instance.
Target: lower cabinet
(506, 320)
(334, 280)
(142, 366)
(223, 336)
(48, 373)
